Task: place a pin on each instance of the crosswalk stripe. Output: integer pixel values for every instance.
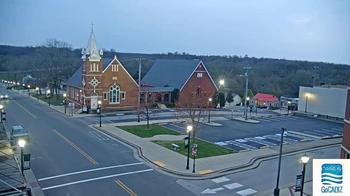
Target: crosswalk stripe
(245, 192)
(232, 186)
(220, 180)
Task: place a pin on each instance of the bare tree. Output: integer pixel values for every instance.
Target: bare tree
(193, 108)
(55, 58)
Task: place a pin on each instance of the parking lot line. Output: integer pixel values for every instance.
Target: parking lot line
(314, 133)
(262, 141)
(246, 146)
(326, 132)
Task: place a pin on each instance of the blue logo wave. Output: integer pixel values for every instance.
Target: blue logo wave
(332, 174)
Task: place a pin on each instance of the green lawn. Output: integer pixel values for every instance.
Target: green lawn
(142, 131)
(205, 149)
(54, 100)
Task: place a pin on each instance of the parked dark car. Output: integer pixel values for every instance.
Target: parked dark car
(18, 132)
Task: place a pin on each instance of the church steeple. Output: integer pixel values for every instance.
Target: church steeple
(91, 50)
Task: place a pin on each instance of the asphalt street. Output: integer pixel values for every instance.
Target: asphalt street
(70, 158)
(262, 180)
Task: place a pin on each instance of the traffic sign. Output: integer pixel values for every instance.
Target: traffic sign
(298, 183)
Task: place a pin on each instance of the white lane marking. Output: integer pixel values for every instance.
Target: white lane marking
(90, 170)
(212, 191)
(98, 136)
(94, 179)
(221, 179)
(246, 192)
(232, 186)
(220, 143)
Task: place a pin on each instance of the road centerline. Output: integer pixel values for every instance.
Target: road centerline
(89, 170)
(126, 188)
(26, 110)
(87, 156)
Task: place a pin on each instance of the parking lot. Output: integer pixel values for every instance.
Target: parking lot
(242, 136)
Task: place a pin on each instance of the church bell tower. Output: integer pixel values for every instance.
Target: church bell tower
(91, 73)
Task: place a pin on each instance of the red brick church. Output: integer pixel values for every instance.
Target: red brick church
(182, 82)
(101, 79)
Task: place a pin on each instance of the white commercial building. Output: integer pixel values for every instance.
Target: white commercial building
(324, 100)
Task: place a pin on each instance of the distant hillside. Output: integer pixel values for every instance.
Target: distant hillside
(276, 76)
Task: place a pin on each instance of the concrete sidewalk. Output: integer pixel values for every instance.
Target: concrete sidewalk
(175, 163)
(290, 191)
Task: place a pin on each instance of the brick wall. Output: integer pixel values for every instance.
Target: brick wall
(126, 84)
(197, 90)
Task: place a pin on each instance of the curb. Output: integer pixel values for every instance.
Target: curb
(217, 173)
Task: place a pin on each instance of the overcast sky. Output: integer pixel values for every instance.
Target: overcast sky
(315, 30)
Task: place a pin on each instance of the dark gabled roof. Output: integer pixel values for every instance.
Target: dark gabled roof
(75, 79)
(170, 73)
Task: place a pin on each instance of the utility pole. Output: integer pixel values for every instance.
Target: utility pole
(246, 91)
(139, 99)
(315, 75)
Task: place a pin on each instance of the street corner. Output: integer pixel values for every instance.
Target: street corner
(159, 163)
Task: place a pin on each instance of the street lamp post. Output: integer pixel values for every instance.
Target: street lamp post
(21, 144)
(28, 89)
(2, 111)
(306, 100)
(99, 110)
(48, 93)
(188, 129)
(289, 106)
(246, 90)
(65, 102)
(209, 108)
(276, 192)
(246, 108)
(304, 160)
(221, 84)
(37, 93)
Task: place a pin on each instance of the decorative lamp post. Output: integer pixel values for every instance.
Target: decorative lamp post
(99, 110)
(1, 110)
(209, 108)
(246, 108)
(189, 128)
(306, 100)
(21, 143)
(65, 102)
(304, 160)
(28, 86)
(221, 82)
(48, 93)
(37, 92)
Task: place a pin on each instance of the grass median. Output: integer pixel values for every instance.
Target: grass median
(205, 149)
(142, 131)
(53, 100)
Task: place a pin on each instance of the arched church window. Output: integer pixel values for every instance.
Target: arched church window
(114, 94)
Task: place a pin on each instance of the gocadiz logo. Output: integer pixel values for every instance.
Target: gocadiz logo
(332, 178)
